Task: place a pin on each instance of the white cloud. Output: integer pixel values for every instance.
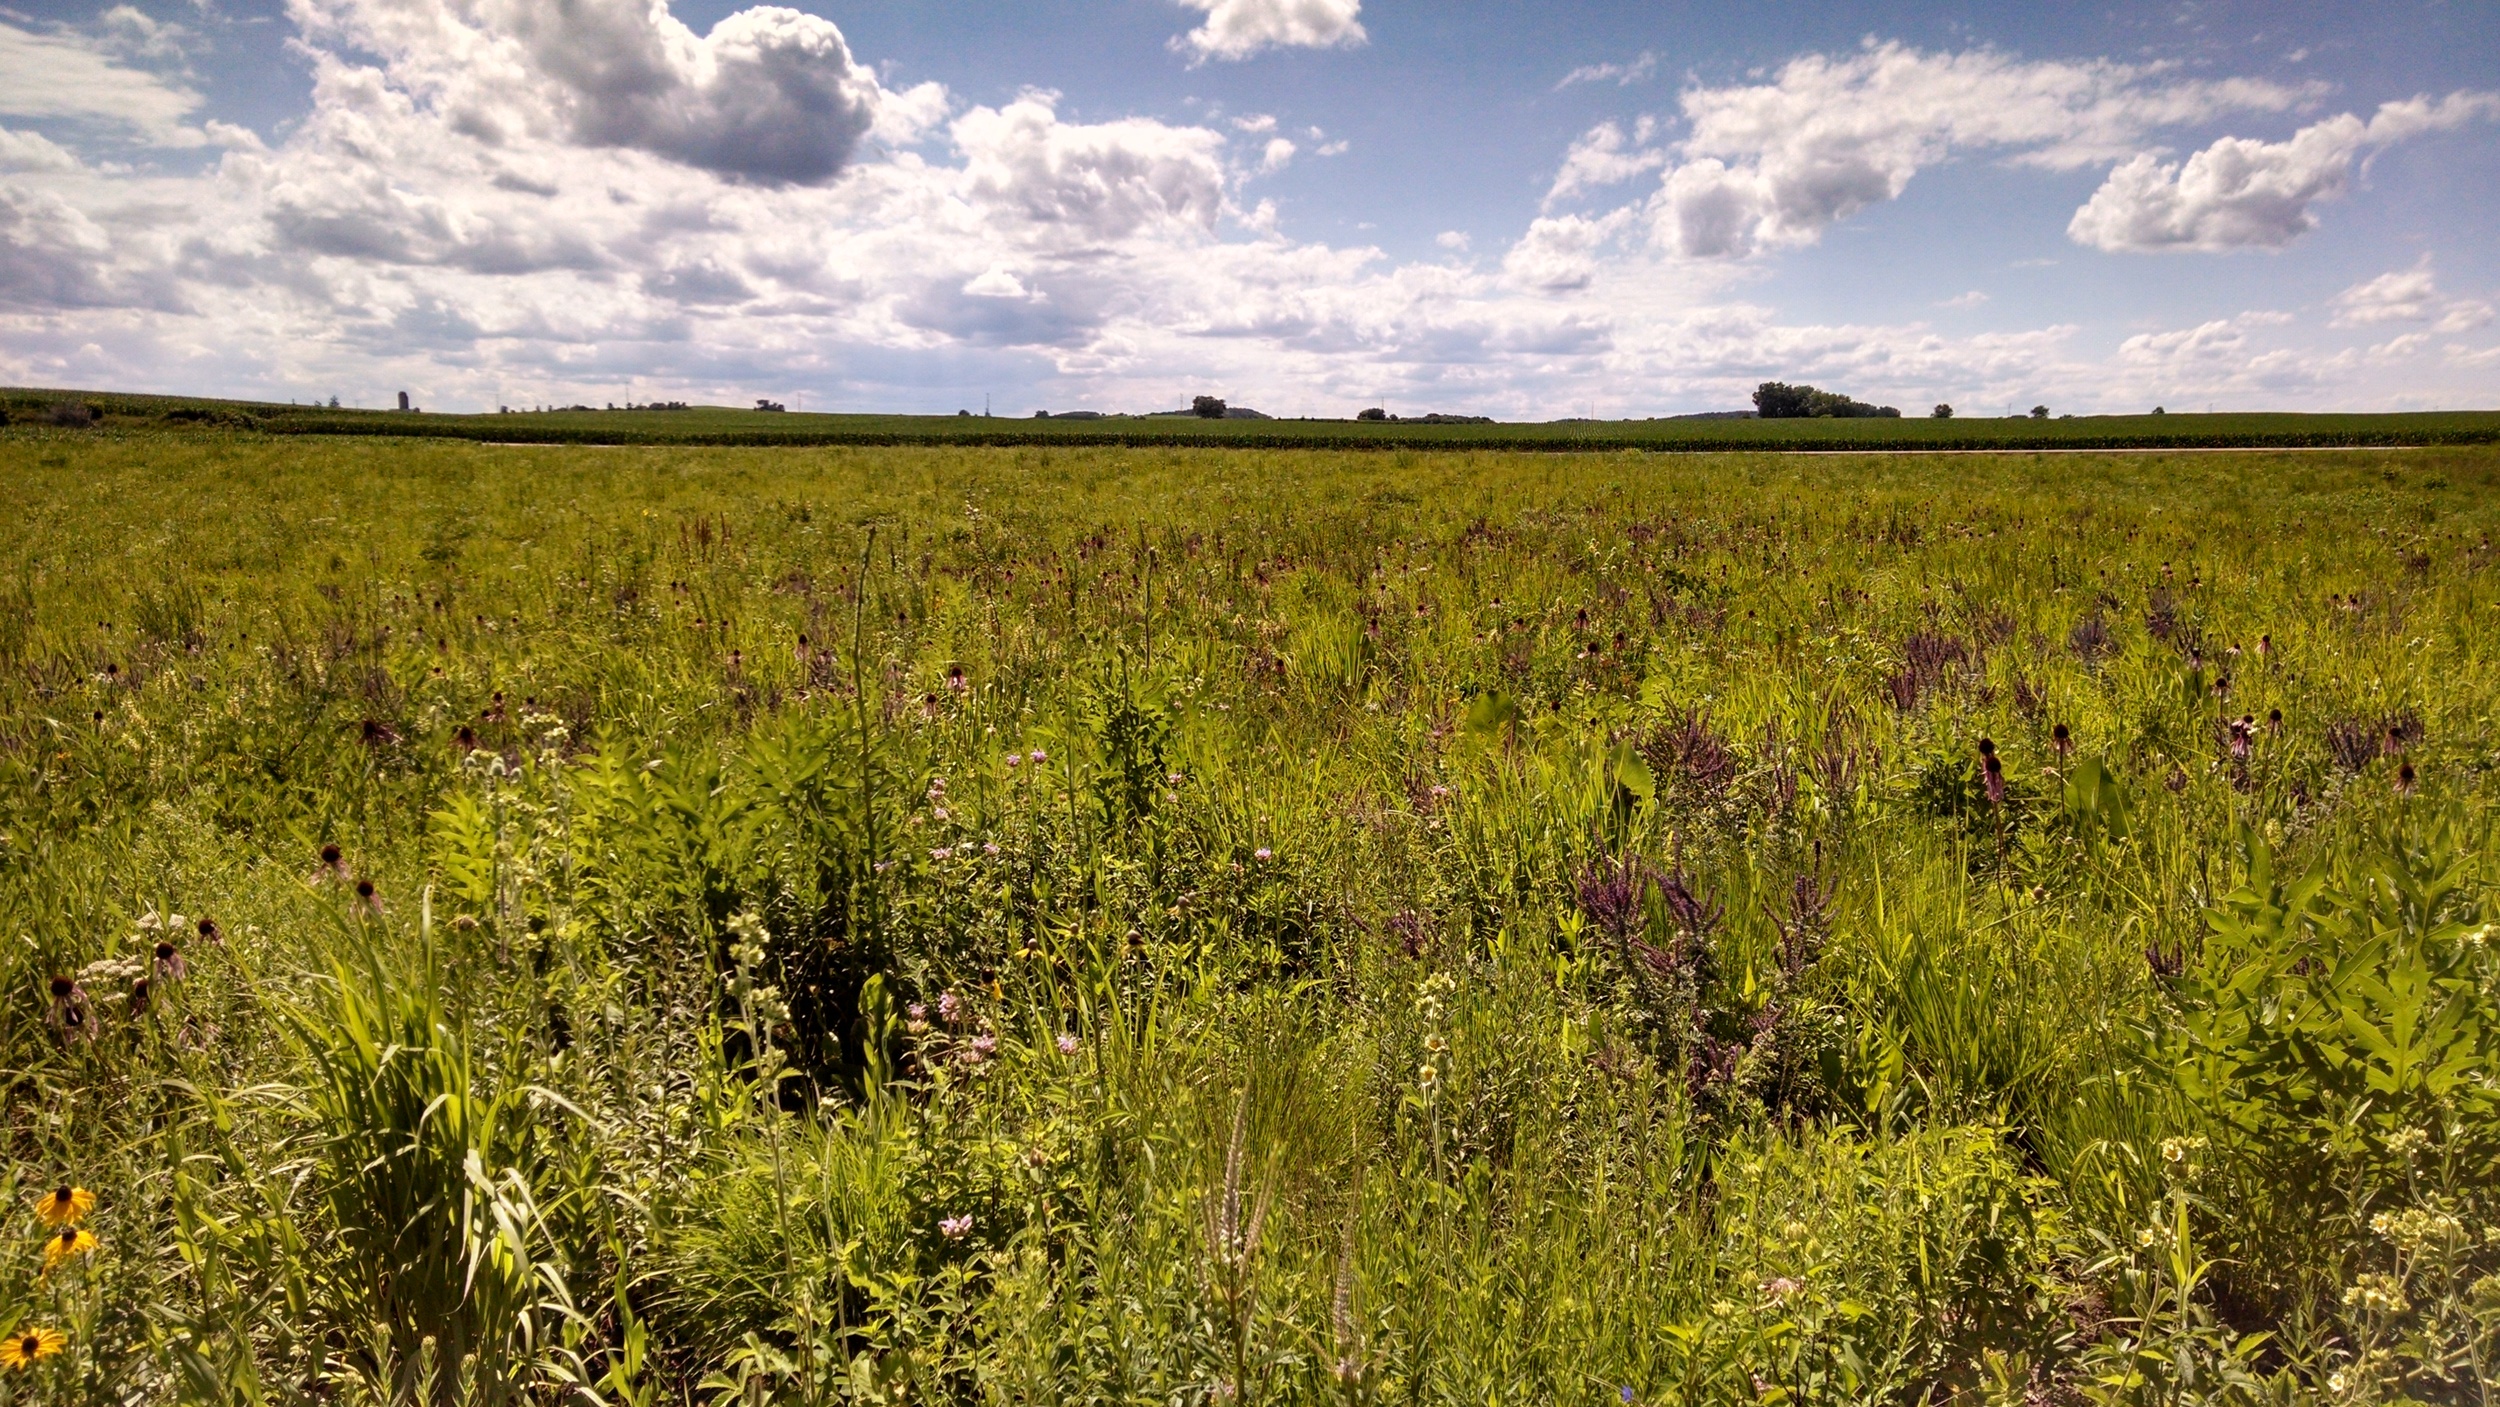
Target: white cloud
(1622, 75)
(32, 151)
(65, 76)
(1454, 240)
(1972, 299)
(2407, 295)
(769, 95)
(1604, 156)
(2465, 315)
(445, 219)
(2244, 194)
(1276, 155)
(1236, 29)
(1777, 163)
(1090, 183)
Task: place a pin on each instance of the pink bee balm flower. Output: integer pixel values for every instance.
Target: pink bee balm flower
(1067, 1044)
(955, 1228)
(1262, 853)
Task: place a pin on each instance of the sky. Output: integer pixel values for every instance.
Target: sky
(1525, 210)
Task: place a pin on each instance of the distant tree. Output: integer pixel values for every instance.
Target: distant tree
(2157, 410)
(1375, 413)
(1206, 407)
(1941, 412)
(2039, 412)
(1775, 400)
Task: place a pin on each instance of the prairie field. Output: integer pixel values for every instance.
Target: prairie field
(958, 924)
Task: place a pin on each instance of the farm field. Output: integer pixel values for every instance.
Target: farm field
(492, 924)
(719, 426)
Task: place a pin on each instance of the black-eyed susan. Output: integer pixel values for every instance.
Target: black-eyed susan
(26, 1347)
(66, 1244)
(64, 1205)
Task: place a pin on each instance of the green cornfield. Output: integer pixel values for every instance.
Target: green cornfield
(956, 924)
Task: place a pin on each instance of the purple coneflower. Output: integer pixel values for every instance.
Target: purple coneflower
(1995, 780)
(72, 1017)
(169, 963)
(2062, 740)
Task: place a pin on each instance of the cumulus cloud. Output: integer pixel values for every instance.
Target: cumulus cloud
(2406, 295)
(1778, 162)
(1089, 183)
(1236, 29)
(460, 211)
(1604, 156)
(2244, 194)
(769, 94)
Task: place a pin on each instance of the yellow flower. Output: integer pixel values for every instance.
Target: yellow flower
(21, 1349)
(65, 1205)
(70, 1241)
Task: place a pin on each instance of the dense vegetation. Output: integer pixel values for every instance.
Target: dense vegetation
(1796, 428)
(1192, 926)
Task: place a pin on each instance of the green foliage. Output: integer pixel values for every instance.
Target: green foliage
(1164, 925)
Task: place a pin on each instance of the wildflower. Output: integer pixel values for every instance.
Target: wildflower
(2176, 1150)
(2417, 1227)
(2336, 1382)
(2405, 779)
(2146, 1237)
(24, 1348)
(333, 863)
(1040, 757)
(65, 1205)
(950, 1008)
(72, 1017)
(2062, 740)
(169, 963)
(1067, 1044)
(1262, 854)
(208, 931)
(989, 848)
(1015, 759)
(1427, 1075)
(1437, 1043)
(2404, 1143)
(366, 899)
(955, 1228)
(984, 1045)
(1995, 771)
(1780, 1287)
(66, 1244)
(942, 853)
(2274, 720)
(2378, 1294)
(140, 995)
(1626, 1393)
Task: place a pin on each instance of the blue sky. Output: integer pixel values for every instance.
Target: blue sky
(1309, 206)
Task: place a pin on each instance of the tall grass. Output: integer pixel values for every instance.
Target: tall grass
(1050, 925)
